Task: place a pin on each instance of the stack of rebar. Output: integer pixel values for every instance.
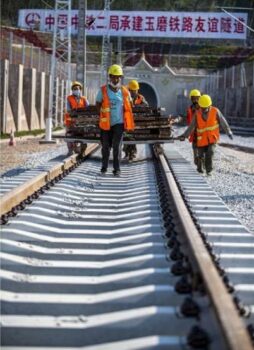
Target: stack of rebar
(150, 124)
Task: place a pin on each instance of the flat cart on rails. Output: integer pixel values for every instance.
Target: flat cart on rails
(151, 127)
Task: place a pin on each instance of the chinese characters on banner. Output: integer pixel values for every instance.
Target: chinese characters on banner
(204, 25)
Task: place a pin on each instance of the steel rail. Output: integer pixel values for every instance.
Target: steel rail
(232, 326)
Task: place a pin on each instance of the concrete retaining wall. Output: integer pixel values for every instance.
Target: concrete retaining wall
(24, 98)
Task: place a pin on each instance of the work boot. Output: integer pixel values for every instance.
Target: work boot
(200, 165)
(117, 172)
(103, 170)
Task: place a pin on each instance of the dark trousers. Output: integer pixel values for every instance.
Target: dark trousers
(112, 138)
(195, 152)
(205, 156)
(130, 150)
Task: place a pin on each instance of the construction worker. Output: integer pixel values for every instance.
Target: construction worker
(114, 104)
(206, 123)
(74, 102)
(138, 100)
(194, 97)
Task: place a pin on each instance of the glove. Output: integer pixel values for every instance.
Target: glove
(230, 136)
(181, 138)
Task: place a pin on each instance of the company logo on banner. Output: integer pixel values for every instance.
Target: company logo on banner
(206, 25)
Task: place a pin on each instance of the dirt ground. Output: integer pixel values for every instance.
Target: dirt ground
(14, 156)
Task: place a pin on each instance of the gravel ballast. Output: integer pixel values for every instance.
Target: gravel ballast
(26, 155)
(233, 176)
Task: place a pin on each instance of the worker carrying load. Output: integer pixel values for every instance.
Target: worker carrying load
(138, 100)
(114, 105)
(75, 101)
(194, 97)
(206, 124)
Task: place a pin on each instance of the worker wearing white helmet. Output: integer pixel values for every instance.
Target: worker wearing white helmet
(206, 122)
(115, 107)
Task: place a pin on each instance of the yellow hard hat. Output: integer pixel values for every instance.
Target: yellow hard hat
(133, 85)
(195, 93)
(115, 69)
(205, 101)
(76, 83)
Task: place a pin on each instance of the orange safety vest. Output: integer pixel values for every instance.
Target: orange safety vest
(139, 100)
(190, 114)
(104, 122)
(74, 104)
(208, 131)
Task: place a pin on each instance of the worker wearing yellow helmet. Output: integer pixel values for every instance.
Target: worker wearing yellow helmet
(206, 122)
(138, 100)
(74, 101)
(194, 97)
(114, 104)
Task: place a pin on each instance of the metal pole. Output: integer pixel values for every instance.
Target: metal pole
(48, 136)
(39, 60)
(31, 61)
(81, 47)
(233, 77)
(85, 51)
(119, 50)
(225, 78)
(10, 47)
(23, 51)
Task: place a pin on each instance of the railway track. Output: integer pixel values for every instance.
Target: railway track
(122, 263)
(237, 147)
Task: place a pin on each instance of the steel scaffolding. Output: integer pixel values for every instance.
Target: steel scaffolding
(106, 47)
(81, 44)
(60, 63)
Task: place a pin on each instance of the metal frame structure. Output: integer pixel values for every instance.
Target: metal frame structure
(60, 62)
(106, 47)
(81, 44)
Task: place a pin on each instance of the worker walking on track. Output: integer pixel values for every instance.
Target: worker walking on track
(74, 102)
(138, 100)
(114, 104)
(194, 97)
(206, 123)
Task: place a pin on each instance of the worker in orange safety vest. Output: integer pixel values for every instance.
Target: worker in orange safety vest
(74, 102)
(138, 100)
(114, 105)
(206, 123)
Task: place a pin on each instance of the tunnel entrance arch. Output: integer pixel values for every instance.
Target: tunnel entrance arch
(149, 93)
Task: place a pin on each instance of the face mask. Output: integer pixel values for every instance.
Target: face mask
(115, 86)
(76, 93)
